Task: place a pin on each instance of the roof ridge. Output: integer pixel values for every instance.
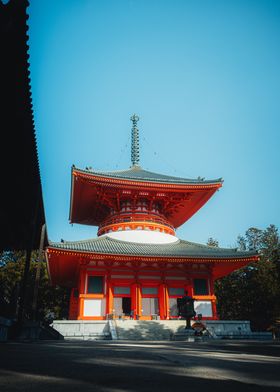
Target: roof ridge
(180, 248)
(158, 176)
(72, 242)
(208, 246)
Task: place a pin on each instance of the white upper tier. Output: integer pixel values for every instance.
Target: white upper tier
(142, 236)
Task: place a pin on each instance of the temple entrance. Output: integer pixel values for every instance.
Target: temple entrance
(122, 306)
(174, 293)
(150, 307)
(173, 307)
(126, 305)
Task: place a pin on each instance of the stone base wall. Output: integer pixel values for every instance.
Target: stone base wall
(152, 329)
(82, 330)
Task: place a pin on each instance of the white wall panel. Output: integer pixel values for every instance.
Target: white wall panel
(94, 307)
(204, 308)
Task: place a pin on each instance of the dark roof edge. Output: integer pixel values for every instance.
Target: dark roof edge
(235, 252)
(181, 180)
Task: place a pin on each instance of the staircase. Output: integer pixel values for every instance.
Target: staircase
(175, 330)
(148, 330)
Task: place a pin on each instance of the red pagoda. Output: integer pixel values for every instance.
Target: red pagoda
(137, 267)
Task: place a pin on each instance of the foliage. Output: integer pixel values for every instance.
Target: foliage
(53, 300)
(253, 292)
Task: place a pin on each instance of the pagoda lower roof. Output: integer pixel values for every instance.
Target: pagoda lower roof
(180, 248)
(139, 174)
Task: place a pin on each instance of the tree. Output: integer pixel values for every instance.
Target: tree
(51, 299)
(252, 293)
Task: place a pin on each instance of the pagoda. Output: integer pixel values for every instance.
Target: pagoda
(137, 267)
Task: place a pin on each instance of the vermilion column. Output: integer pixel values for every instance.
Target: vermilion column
(74, 305)
(139, 300)
(109, 297)
(167, 302)
(214, 309)
(134, 296)
(213, 301)
(82, 285)
(162, 302)
(82, 290)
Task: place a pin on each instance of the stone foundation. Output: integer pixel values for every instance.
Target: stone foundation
(152, 329)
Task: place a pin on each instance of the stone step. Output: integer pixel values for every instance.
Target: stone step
(87, 337)
(147, 330)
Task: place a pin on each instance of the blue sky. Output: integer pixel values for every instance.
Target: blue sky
(202, 75)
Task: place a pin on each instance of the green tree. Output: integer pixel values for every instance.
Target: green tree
(252, 293)
(50, 299)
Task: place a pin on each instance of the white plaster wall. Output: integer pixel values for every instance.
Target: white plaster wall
(93, 307)
(142, 236)
(204, 308)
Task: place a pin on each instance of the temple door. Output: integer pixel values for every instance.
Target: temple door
(118, 310)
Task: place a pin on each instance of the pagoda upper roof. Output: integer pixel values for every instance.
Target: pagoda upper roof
(180, 248)
(94, 192)
(139, 174)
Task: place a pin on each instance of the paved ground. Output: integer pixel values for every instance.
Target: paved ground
(140, 366)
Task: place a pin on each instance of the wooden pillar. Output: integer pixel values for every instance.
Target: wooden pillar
(30, 232)
(134, 298)
(23, 289)
(212, 293)
(82, 290)
(214, 309)
(162, 302)
(167, 302)
(82, 285)
(74, 305)
(139, 301)
(38, 271)
(109, 296)
(81, 308)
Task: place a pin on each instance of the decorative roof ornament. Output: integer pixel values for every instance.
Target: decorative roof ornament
(135, 156)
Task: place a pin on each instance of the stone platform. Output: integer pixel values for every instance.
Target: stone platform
(83, 330)
(153, 330)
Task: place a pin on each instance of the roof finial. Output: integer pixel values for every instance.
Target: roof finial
(135, 158)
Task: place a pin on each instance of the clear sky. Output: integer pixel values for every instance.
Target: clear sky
(202, 75)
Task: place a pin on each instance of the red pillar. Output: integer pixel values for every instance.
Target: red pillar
(134, 299)
(162, 302)
(212, 293)
(109, 295)
(74, 305)
(82, 290)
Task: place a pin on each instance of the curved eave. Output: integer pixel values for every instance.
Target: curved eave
(64, 265)
(164, 258)
(116, 177)
(80, 211)
(65, 259)
(181, 249)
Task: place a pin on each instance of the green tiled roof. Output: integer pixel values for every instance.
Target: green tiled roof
(180, 248)
(137, 173)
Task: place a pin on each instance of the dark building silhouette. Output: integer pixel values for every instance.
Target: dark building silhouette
(22, 218)
(21, 202)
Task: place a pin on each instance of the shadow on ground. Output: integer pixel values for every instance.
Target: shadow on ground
(138, 366)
